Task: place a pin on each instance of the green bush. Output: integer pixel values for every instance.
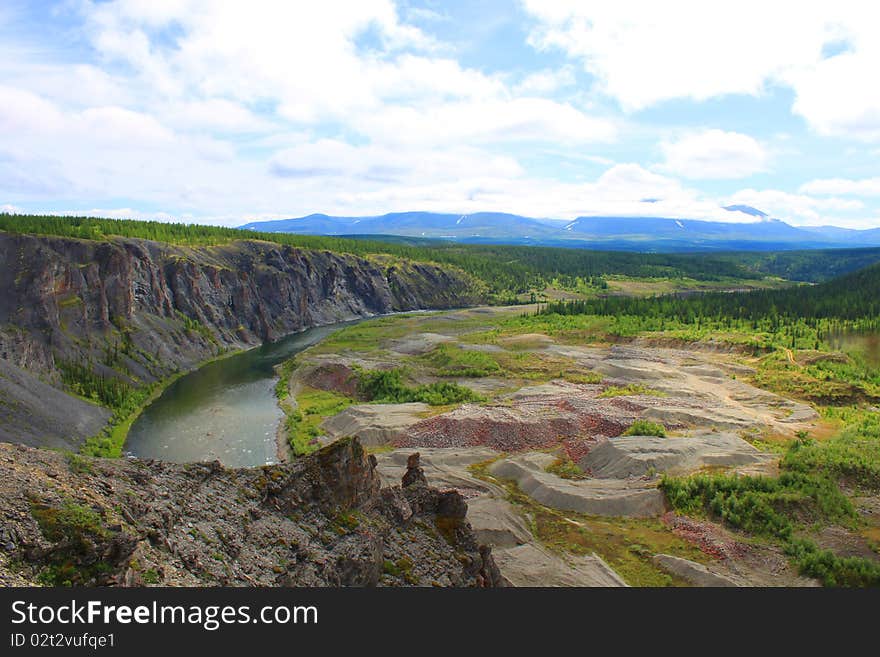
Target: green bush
(645, 428)
(830, 569)
(759, 505)
(387, 386)
(853, 455)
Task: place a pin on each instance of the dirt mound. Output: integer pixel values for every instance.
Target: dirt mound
(532, 565)
(523, 561)
(537, 417)
(420, 343)
(695, 574)
(501, 428)
(374, 424)
(332, 377)
(604, 497)
(635, 456)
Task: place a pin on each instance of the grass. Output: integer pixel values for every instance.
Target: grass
(631, 389)
(448, 360)
(853, 456)
(312, 407)
(645, 428)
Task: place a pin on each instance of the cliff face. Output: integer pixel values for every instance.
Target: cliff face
(138, 310)
(319, 521)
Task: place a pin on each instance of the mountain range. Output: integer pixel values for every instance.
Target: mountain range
(627, 233)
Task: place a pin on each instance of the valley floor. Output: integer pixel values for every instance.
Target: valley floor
(552, 437)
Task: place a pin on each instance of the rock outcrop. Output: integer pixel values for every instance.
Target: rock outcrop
(695, 574)
(137, 311)
(602, 497)
(320, 521)
(636, 456)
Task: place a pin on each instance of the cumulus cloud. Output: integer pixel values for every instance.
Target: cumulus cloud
(223, 111)
(714, 154)
(643, 53)
(843, 187)
(801, 209)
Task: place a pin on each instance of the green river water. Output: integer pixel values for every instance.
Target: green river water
(225, 410)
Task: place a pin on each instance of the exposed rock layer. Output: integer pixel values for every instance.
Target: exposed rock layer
(320, 521)
(139, 310)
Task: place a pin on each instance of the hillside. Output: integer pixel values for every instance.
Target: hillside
(107, 319)
(506, 270)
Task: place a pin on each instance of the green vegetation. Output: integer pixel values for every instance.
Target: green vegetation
(764, 506)
(455, 361)
(508, 271)
(807, 492)
(813, 266)
(387, 386)
(645, 428)
(853, 456)
(69, 522)
(797, 317)
(74, 528)
(78, 464)
(630, 389)
(312, 407)
(122, 398)
(565, 468)
(830, 569)
(82, 380)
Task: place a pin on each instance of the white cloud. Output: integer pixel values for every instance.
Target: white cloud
(520, 119)
(803, 210)
(223, 111)
(842, 186)
(333, 158)
(546, 81)
(643, 53)
(714, 154)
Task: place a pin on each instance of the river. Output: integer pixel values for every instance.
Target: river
(225, 410)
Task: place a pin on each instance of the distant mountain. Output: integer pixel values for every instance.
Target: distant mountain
(845, 234)
(746, 209)
(619, 233)
(415, 224)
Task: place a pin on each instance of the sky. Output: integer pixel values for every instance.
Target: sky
(225, 112)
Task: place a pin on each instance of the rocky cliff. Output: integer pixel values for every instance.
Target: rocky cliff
(136, 311)
(319, 521)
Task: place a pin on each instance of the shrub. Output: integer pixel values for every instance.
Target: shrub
(759, 505)
(830, 569)
(853, 455)
(387, 386)
(566, 469)
(645, 428)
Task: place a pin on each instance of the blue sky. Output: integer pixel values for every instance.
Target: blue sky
(224, 112)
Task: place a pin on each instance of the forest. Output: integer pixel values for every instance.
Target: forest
(507, 270)
(853, 297)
